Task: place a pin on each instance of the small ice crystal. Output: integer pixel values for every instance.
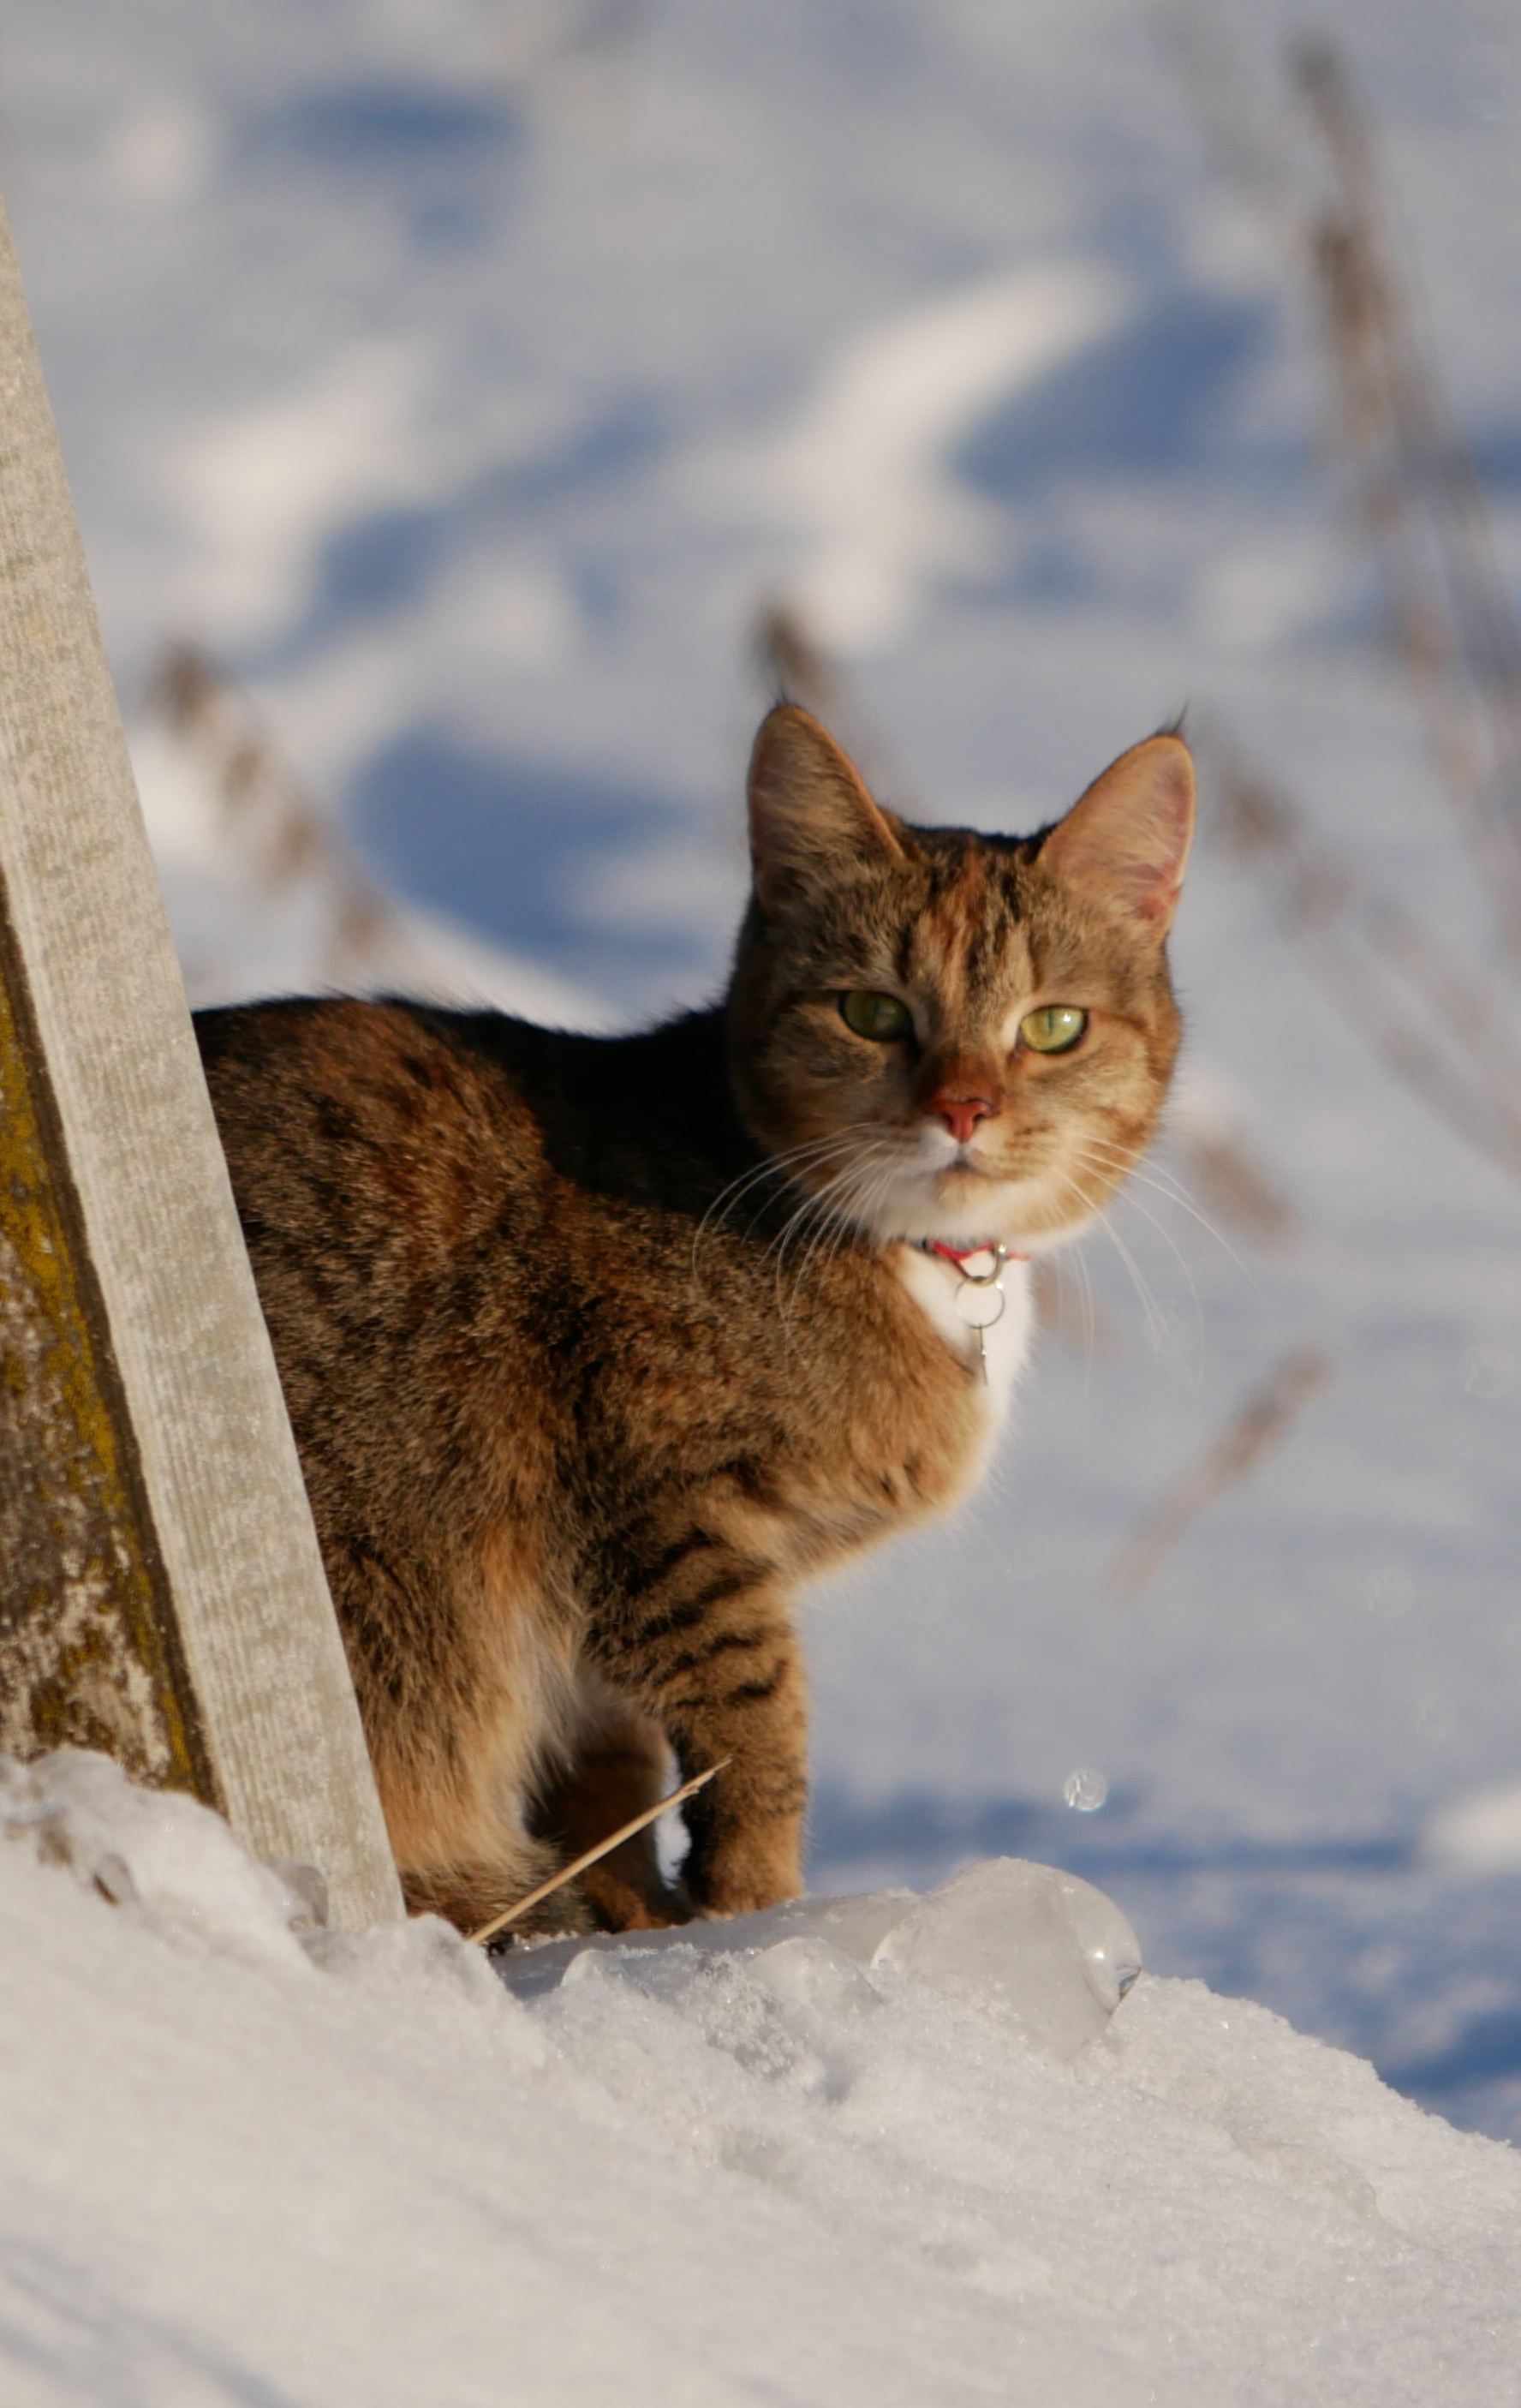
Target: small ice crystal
(1488, 1372)
(1434, 1719)
(1085, 1789)
(1390, 1591)
(1488, 80)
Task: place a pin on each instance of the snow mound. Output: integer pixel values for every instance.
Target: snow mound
(179, 1868)
(818, 2156)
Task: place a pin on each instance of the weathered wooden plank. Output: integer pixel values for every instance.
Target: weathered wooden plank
(89, 1655)
(162, 1567)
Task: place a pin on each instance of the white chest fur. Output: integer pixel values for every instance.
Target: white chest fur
(934, 1284)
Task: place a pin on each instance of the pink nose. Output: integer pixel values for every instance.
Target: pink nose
(961, 1113)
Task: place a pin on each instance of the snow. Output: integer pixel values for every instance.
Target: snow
(267, 484)
(466, 382)
(809, 2155)
(865, 470)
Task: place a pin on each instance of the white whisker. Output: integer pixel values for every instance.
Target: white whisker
(1058, 1264)
(1174, 1192)
(821, 1202)
(1166, 1238)
(1157, 1330)
(840, 1202)
(811, 1154)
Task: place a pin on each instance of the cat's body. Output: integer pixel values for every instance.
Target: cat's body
(581, 1400)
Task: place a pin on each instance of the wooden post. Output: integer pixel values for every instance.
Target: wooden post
(160, 1590)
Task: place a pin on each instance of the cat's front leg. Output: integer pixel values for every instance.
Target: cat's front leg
(721, 1669)
(746, 1826)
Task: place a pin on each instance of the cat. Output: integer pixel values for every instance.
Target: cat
(595, 1348)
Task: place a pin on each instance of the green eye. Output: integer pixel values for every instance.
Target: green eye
(881, 1016)
(1053, 1028)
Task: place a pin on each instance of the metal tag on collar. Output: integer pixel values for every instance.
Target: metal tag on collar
(981, 1303)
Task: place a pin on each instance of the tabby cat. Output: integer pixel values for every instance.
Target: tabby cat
(596, 1347)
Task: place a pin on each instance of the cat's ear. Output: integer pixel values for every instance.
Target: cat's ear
(1126, 840)
(810, 814)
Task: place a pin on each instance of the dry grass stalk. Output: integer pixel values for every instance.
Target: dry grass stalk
(1266, 1418)
(1224, 1173)
(1451, 618)
(795, 666)
(1064, 1309)
(1232, 1186)
(1415, 493)
(1440, 1026)
(286, 838)
(787, 655)
(635, 1824)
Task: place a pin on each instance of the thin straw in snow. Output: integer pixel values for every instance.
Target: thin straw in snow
(1265, 1418)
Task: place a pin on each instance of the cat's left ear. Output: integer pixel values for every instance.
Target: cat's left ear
(1126, 840)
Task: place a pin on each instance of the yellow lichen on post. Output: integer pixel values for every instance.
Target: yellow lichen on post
(88, 1657)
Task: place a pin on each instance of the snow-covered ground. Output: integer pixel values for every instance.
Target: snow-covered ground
(466, 376)
(813, 2160)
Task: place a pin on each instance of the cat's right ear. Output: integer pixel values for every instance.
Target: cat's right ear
(810, 814)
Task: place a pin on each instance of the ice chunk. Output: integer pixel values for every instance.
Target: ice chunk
(1054, 1954)
(853, 1925)
(807, 1973)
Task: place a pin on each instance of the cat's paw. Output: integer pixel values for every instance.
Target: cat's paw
(743, 1890)
(621, 1905)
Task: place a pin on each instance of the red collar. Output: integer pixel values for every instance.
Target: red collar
(960, 1255)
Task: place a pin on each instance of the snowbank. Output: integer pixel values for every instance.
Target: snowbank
(241, 2160)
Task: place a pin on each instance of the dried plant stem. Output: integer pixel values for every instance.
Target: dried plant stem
(290, 839)
(1452, 620)
(1065, 1309)
(1232, 1183)
(1265, 1418)
(794, 664)
(1440, 1026)
(604, 1847)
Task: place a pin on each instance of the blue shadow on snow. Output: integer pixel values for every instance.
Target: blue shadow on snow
(1154, 398)
(435, 153)
(386, 560)
(499, 842)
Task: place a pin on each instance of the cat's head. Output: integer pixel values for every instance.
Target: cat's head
(951, 1035)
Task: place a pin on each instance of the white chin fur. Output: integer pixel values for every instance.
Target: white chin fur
(918, 1206)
